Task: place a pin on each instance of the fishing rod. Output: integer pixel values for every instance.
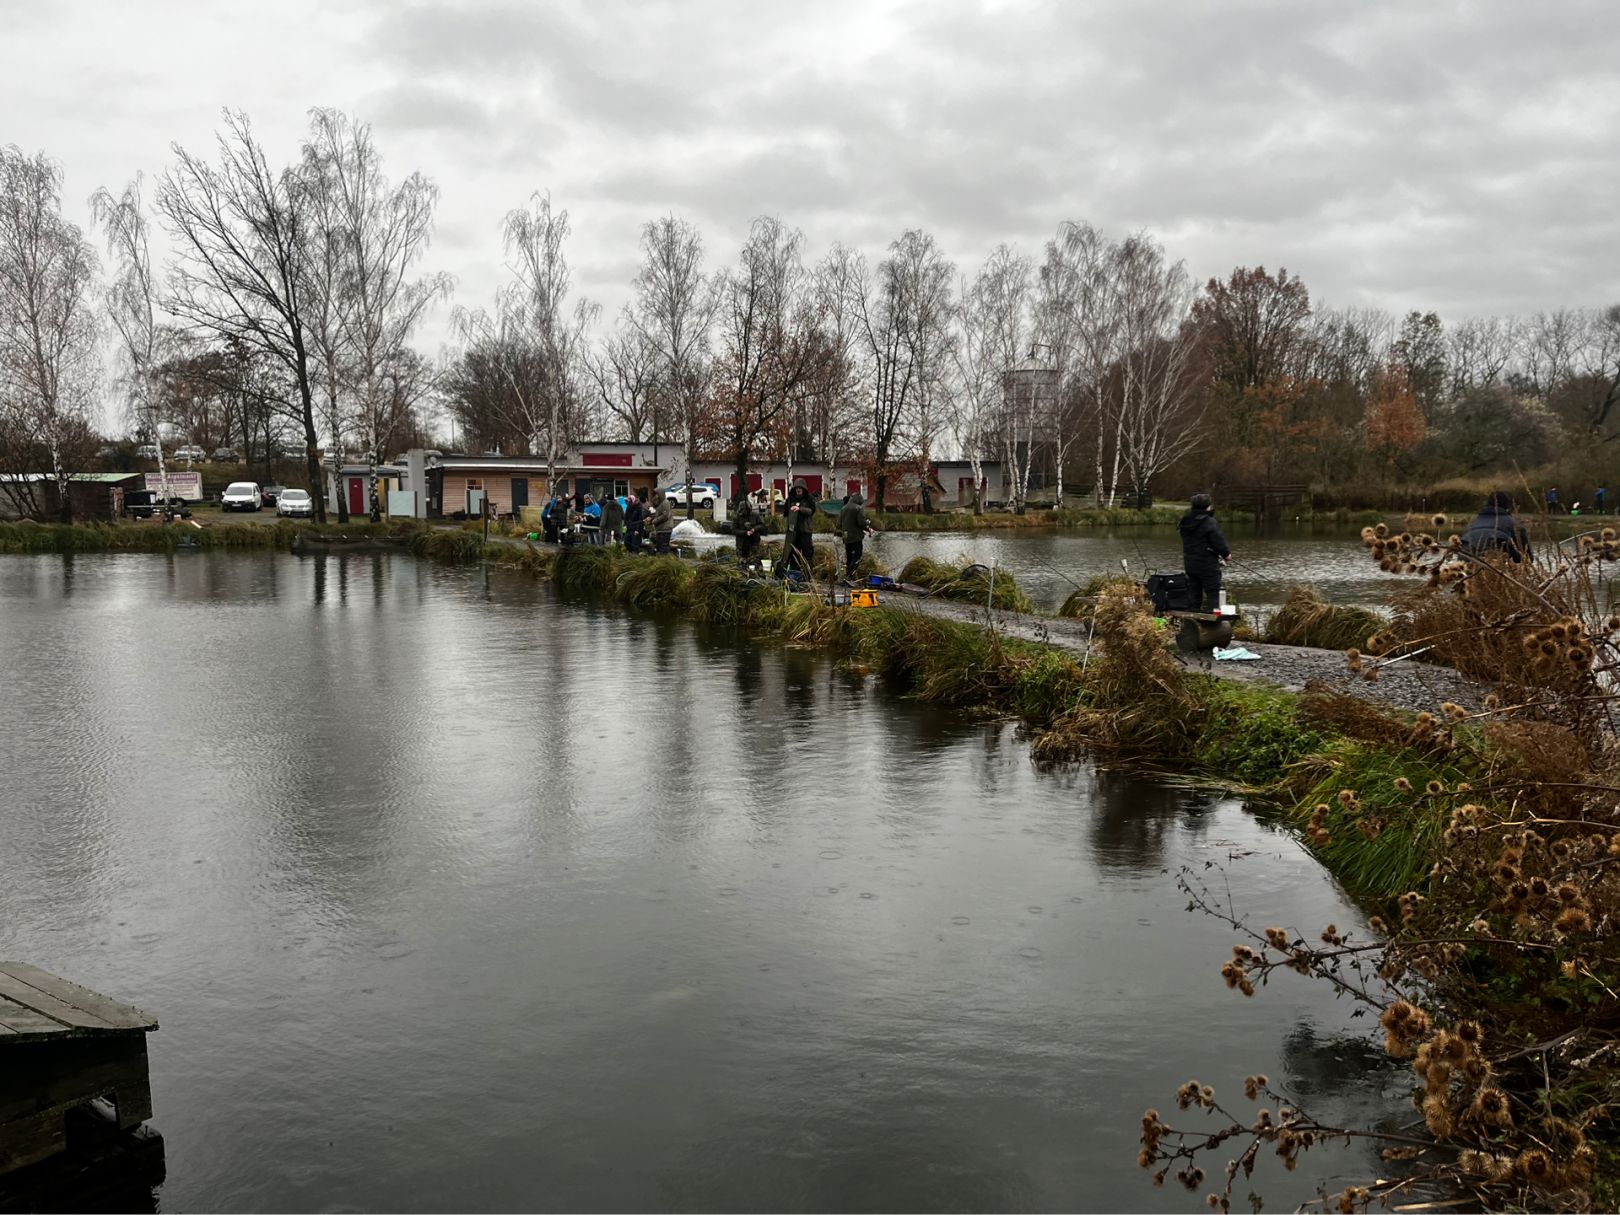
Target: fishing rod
(1244, 565)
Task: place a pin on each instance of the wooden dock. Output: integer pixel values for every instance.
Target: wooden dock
(63, 1046)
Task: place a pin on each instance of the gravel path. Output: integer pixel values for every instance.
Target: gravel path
(1403, 685)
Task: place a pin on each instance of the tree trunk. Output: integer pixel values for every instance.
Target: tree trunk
(312, 463)
(64, 507)
(163, 467)
(336, 454)
(371, 414)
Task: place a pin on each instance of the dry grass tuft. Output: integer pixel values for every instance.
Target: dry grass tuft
(1305, 619)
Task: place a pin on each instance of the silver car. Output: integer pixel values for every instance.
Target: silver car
(295, 504)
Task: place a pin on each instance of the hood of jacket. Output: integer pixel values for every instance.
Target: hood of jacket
(1193, 521)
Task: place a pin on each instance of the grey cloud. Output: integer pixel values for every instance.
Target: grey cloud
(1395, 154)
(422, 106)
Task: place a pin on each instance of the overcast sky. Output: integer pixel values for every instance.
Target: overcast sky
(1461, 157)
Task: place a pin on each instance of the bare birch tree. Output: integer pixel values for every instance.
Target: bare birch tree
(839, 287)
(47, 332)
(132, 307)
(673, 309)
(374, 234)
(240, 233)
(1157, 403)
(905, 324)
(992, 333)
(537, 304)
(1078, 322)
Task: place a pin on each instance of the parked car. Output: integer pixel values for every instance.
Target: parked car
(703, 494)
(271, 494)
(146, 451)
(241, 495)
(190, 453)
(227, 455)
(290, 451)
(295, 503)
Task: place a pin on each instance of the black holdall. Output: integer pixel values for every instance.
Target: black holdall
(1171, 593)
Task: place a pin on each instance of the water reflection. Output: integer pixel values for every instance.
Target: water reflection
(1133, 820)
(528, 904)
(1050, 565)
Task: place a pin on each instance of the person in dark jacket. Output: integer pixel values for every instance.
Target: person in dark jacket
(1495, 529)
(852, 523)
(745, 525)
(548, 520)
(635, 524)
(801, 518)
(1203, 551)
(612, 520)
(663, 524)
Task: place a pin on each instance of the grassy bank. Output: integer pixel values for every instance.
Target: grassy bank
(163, 538)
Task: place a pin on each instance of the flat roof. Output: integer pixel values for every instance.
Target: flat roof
(530, 464)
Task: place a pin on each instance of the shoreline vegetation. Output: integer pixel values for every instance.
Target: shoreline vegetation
(1482, 841)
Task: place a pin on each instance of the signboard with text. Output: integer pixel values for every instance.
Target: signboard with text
(187, 485)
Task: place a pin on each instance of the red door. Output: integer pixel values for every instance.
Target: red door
(357, 496)
(852, 487)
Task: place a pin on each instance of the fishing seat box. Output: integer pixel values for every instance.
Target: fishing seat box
(1171, 593)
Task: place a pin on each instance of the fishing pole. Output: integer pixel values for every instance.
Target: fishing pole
(1244, 565)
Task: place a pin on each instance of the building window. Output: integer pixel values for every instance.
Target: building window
(475, 483)
(621, 489)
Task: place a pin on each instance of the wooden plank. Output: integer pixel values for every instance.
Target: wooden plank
(29, 1024)
(15, 989)
(113, 1012)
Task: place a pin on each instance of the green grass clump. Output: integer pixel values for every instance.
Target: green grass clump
(1397, 857)
(1253, 734)
(457, 547)
(719, 593)
(650, 582)
(967, 582)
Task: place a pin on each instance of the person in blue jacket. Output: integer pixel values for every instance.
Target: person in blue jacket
(1495, 529)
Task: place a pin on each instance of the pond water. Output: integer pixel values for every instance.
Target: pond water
(452, 896)
(1266, 564)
